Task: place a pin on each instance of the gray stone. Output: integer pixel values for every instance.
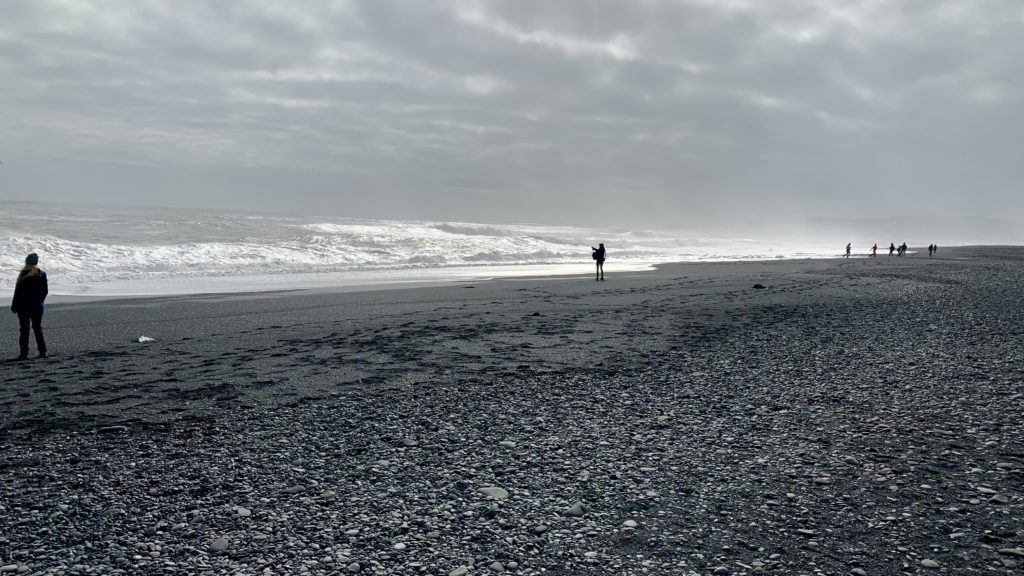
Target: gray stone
(219, 545)
(929, 563)
(494, 492)
(858, 572)
(721, 571)
(1018, 552)
(242, 512)
(497, 567)
(460, 571)
(354, 568)
(294, 489)
(575, 511)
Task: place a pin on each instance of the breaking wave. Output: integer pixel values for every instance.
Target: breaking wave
(88, 245)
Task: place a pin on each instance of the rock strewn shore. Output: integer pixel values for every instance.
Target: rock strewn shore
(860, 419)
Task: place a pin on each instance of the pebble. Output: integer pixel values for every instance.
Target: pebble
(497, 567)
(575, 511)
(354, 567)
(494, 492)
(460, 571)
(294, 489)
(721, 571)
(1018, 552)
(858, 572)
(9, 568)
(507, 444)
(630, 524)
(242, 512)
(929, 563)
(219, 545)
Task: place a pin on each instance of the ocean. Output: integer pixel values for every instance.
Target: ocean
(126, 251)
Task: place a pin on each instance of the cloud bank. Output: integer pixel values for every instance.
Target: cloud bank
(674, 112)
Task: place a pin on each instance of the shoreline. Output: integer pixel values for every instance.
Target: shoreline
(338, 283)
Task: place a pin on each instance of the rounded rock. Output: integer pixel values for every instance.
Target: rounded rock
(494, 492)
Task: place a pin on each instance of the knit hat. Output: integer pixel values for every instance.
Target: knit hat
(32, 259)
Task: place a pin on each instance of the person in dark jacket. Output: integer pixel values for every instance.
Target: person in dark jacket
(598, 254)
(29, 293)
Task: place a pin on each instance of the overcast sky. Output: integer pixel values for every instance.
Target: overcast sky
(668, 112)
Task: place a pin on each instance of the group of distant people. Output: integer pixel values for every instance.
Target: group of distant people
(900, 250)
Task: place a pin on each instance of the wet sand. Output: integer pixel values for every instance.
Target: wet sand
(852, 415)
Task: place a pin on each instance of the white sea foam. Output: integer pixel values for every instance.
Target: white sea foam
(141, 251)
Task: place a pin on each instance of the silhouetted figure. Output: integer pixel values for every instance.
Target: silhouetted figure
(29, 293)
(935, 248)
(931, 249)
(892, 248)
(903, 249)
(598, 254)
(874, 250)
(848, 249)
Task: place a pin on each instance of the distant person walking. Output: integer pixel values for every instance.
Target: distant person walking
(903, 249)
(599, 254)
(931, 248)
(892, 248)
(29, 293)
(874, 250)
(848, 246)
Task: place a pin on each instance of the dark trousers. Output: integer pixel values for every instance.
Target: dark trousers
(36, 318)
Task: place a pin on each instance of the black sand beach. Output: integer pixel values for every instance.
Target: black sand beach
(858, 416)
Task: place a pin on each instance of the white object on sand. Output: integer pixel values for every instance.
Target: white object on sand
(143, 339)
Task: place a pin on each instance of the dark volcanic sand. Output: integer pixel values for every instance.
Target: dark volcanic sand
(859, 416)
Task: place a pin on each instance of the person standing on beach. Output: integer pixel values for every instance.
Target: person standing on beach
(848, 245)
(892, 248)
(598, 254)
(874, 250)
(930, 249)
(29, 293)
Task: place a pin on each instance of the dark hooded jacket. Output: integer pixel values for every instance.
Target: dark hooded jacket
(30, 291)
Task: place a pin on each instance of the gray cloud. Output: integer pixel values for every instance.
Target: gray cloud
(673, 112)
